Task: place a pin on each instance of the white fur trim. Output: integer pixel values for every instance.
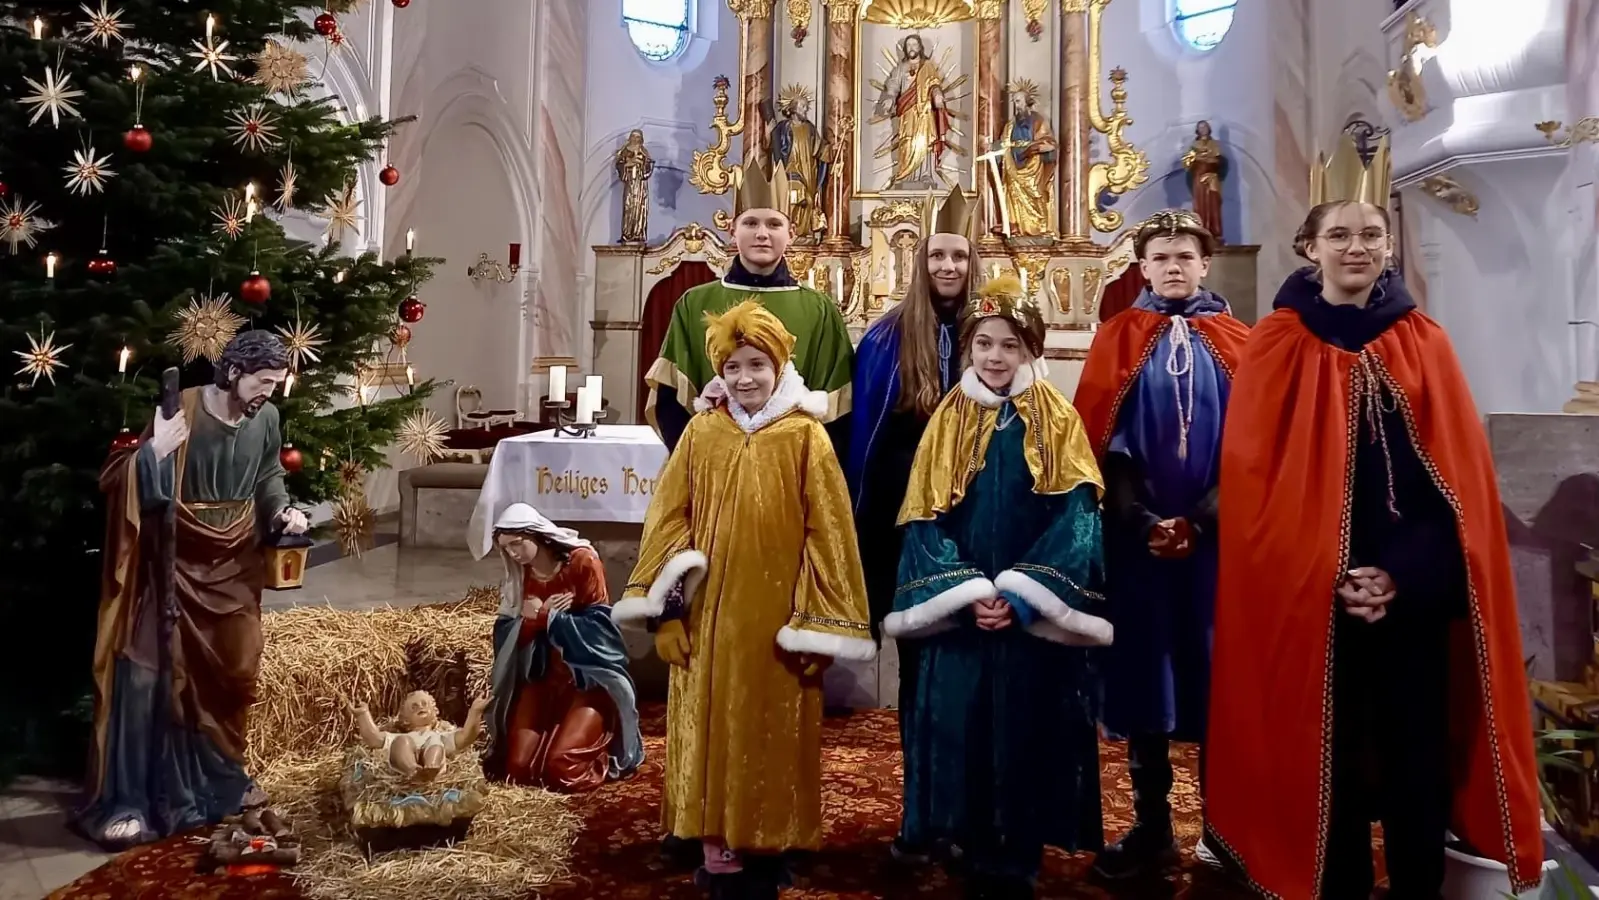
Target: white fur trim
(821, 643)
(981, 394)
(1090, 630)
(688, 566)
(932, 616)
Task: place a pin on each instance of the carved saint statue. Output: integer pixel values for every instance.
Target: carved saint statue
(797, 145)
(1028, 168)
(1206, 168)
(915, 97)
(634, 166)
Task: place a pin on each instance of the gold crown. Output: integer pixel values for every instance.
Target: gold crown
(953, 217)
(1346, 177)
(758, 191)
(1002, 295)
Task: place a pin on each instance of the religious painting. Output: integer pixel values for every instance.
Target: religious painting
(915, 109)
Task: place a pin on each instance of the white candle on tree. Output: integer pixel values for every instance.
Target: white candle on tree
(557, 384)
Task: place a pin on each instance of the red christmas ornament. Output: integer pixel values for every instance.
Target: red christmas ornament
(255, 289)
(325, 24)
(400, 336)
(4, 190)
(290, 458)
(138, 139)
(103, 264)
(390, 176)
(411, 310)
(401, 4)
(125, 440)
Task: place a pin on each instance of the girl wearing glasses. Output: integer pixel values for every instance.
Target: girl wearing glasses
(1367, 652)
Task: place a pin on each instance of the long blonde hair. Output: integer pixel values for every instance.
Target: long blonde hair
(921, 376)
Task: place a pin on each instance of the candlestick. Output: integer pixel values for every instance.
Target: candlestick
(410, 239)
(557, 384)
(50, 265)
(38, 28)
(410, 376)
(122, 360)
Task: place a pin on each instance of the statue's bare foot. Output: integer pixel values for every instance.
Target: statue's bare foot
(123, 832)
(254, 798)
(427, 773)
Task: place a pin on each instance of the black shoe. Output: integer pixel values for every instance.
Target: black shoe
(907, 854)
(745, 885)
(1143, 852)
(999, 887)
(682, 853)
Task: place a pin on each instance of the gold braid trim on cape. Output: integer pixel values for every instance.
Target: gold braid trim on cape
(955, 445)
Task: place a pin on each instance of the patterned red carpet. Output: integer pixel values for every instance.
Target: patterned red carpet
(617, 856)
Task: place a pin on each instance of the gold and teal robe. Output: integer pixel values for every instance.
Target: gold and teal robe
(752, 515)
(1001, 747)
(823, 353)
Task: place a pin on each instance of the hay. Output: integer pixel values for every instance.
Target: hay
(318, 659)
(519, 843)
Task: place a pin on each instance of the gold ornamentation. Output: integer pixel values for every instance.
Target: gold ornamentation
(1062, 280)
(1449, 192)
(204, 328)
(104, 25)
(1347, 177)
(88, 172)
(842, 11)
(667, 264)
(352, 476)
(1585, 131)
(20, 224)
(694, 235)
(896, 213)
(280, 69)
(990, 9)
(301, 342)
(342, 213)
(1032, 265)
(913, 88)
(1077, 6)
(1034, 11)
(55, 96)
(1405, 88)
(751, 9)
(917, 13)
(1093, 281)
(1129, 166)
(709, 171)
(421, 436)
(42, 357)
(799, 17)
(231, 217)
(800, 263)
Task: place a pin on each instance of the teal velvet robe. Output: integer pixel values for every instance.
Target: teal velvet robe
(1001, 746)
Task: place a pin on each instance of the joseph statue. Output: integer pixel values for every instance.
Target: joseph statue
(169, 718)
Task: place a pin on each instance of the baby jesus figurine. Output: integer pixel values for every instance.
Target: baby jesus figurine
(421, 749)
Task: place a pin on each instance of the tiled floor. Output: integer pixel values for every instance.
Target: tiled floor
(38, 853)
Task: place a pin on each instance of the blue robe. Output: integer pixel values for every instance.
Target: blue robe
(592, 648)
(1157, 674)
(1001, 747)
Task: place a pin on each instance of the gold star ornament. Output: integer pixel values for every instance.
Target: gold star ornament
(88, 172)
(301, 341)
(104, 25)
(231, 217)
(213, 56)
(280, 69)
(254, 128)
(42, 358)
(353, 522)
(204, 328)
(421, 436)
(342, 213)
(54, 96)
(20, 225)
(287, 182)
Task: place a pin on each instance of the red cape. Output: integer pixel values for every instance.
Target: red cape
(1119, 352)
(1285, 477)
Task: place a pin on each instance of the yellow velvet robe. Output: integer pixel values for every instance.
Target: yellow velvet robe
(753, 515)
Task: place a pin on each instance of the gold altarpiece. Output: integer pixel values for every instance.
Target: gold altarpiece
(873, 106)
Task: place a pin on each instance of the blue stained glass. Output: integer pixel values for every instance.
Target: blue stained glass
(1202, 24)
(658, 28)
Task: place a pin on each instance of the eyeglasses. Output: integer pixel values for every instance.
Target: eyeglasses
(1341, 238)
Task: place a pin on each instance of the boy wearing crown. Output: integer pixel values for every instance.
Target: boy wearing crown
(749, 563)
(822, 352)
(998, 580)
(1152, 395)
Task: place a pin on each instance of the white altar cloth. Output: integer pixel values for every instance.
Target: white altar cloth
(609, 477)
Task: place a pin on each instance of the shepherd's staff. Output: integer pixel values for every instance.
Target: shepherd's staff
(166, 575)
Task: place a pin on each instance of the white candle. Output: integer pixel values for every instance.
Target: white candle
(38, 28)
(288, 384)
(50, 265)
(210, 26)
(838, 285)
(410, 376)
(585, 416)
(122, 360)
(596, 395)
(134, 71)
(410, 239)
(557, 384)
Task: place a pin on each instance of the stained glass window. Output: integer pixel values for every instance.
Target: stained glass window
(1203, 23)
(658, 28)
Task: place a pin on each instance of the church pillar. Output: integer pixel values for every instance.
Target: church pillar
(1075, 129)
(755, 43)
(990, 108)
(840, 126)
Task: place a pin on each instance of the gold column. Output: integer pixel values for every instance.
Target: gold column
(840, 120)
(755, 88)
(990, 106)
(1075, 126)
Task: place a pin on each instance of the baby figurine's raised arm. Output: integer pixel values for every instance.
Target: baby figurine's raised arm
(466, 736)
(365, 727)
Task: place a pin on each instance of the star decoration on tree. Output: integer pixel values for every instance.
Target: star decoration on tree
(421, 436)
(301, 341)
(280, 69)
(42, 357)
(254, 128)
(87, 173)
(342, 213)
(204, 328)
(353, 521)
(55, 97)
(231, 217)
(104, 25)
(286, 185)
(352, 477)
(213, 56)
(19, 224)
(337, 41)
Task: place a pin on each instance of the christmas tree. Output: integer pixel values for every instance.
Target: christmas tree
(149, 152)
